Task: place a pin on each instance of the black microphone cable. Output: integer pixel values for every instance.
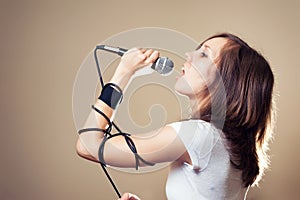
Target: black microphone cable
(108, 135)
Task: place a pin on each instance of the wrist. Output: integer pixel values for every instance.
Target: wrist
(111, 94)
(121, 79)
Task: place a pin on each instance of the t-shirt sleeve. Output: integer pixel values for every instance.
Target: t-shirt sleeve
(199, 138)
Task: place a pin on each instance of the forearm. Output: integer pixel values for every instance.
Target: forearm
(88, 143)
(121, 78)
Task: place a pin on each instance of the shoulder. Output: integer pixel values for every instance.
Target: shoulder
(193, 125)
(199, 138)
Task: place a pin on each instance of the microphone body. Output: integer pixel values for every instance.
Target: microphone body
(163, 65)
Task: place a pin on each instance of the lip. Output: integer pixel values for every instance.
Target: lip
(182, 72)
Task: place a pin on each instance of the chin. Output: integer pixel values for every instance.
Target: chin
(182, 87)
(181, 90)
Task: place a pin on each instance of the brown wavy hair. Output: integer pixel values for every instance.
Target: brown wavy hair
(240, 103)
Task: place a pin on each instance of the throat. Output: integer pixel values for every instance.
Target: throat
(195, 108)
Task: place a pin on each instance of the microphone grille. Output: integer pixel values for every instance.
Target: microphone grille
(163, 65)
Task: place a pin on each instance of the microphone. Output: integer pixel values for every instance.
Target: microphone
(163, 65)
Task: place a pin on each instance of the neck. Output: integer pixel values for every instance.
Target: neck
(194, 104)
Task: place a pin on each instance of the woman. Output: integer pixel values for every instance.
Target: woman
(221, 150)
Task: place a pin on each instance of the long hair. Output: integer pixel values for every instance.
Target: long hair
(247, 81)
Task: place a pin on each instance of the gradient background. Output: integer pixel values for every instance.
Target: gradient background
(43, 43)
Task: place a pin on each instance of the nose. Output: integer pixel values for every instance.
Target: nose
(188, 56)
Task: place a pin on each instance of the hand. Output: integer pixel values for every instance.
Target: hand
(131, 61)
(135, 59)
(128, 196)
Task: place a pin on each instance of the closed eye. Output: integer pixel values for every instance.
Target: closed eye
(203, 54)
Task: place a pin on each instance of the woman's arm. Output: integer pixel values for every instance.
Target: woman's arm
(162, 145)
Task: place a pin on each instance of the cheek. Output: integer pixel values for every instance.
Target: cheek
(196, 77)
(202, 69)
(204, 74)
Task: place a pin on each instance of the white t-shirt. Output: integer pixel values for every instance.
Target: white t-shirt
(211, 176)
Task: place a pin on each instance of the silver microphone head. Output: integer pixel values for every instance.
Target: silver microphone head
(163, 65)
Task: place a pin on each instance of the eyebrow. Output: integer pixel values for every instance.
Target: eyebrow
(211, 51)
(209, 48)
(206, 46)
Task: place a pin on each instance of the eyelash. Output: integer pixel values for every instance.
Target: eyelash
(203, 54)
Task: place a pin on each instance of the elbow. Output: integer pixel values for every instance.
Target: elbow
(82, 151)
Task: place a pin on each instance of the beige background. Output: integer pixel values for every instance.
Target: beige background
(42, 45)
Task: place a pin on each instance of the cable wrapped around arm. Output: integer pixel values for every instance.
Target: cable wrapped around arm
(111, 95)
(108, 135)
(127, 138)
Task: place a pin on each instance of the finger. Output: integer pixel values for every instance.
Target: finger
(153, 57)
(139, 53)
(142, 50)
(135, 50)
(144, 54)
(148, 52)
